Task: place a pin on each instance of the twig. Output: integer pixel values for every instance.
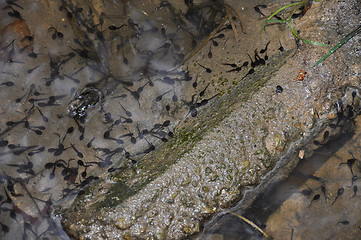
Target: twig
(206, 40)
(250, 223)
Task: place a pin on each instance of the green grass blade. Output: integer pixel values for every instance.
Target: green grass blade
(344, 40)
(278, 10)
(282, 8)
(305, 40)
(275, 21)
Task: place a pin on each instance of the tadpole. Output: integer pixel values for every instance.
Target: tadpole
(174, 97)
(56, 33)
(208, 70)
(69, 131)
(168, 80)
(14, 13)
(10, 2)
(45, 119)
(315, 198)
(4, 143)
(323, 189)
(81, 129)
(149, 149)
(354, 93)
(345, 222)
(36, 151)
(237, 69)
(113, 28)
(265, 49)
(57, 151)
(160, 97)
(326, 134)
(257, 9)
(230, 64)
(129, 114)
(20, 98)
(201, 94)
(8, 84)
(32, 54)
(135, 94)
(4, 227)
(79, 154)
(340, 191)
(354, 191)
(349, 163)
(281, 48)
(214, 43)
(258, 59)
(89, 145)
(195, 83)
(210, 54)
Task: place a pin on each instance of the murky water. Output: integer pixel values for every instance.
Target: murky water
(93, 88)
(318, 200)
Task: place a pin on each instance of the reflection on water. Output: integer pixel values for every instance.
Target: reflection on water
(319, 199)
(94, 87)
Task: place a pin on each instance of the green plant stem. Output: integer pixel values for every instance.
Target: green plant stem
(289, 19)
(279, 10)
(343, 41)
(305, 40)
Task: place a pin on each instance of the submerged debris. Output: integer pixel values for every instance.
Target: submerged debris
(88, 98)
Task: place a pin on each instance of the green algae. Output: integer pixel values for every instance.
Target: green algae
(186, 136)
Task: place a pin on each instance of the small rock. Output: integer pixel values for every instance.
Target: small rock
(124, 223)
(331, 116)
(301, 154)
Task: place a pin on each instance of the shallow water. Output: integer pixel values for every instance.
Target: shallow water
(318, 200)
(93, 88)
(85, 95)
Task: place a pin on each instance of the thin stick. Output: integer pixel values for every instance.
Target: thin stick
(233, 26)
(131, 46)
(206, 40)
(238, 16)
(250, 223)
